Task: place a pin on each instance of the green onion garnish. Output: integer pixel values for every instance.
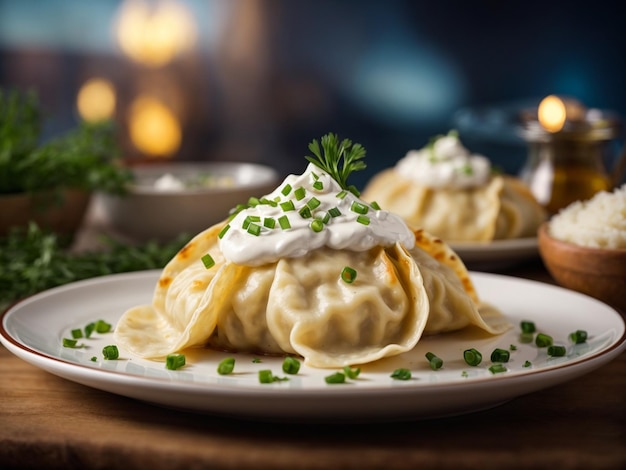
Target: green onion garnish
(317, 225)
(269, 222)
(434, 361)
(543, 340)
(286, 189)
(283, 221)
(348, 275)
(363, 219)
(300, 193)
(334, 212)
(208, 261)
(341, 194)
(268, 202)
(254, 229)
(374, 205)
(578, 336)
(266, 377)
(500, 355)
(351, 373)
(110, 352)
(223, 231)
(305, 212)
(556, 351)
(174, 361)
(287, 206)
(93, 359)
(313, 203)
(77, 333)
(513, 347)
(248, 220)
(102, 326)
(401, 374)
(89, 329)
(527, 326)
(256, 360)
(336, 378)
(497, 368)
(527, 364)
(359, 208)
(318, 185)
(70, 343)
(472, 357)
(253, 201)
(226, 366)
(326, 218)
(291, 365)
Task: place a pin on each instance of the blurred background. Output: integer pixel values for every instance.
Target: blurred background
(251, 80)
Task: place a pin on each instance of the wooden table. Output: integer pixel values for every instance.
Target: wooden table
(48, 422)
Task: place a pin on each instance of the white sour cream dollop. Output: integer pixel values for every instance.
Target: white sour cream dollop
(341, 224)
(445, 164)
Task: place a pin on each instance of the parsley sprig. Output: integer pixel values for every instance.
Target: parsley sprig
(338, 159)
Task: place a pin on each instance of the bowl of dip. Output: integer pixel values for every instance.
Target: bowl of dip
(170, 199)
(584, 247)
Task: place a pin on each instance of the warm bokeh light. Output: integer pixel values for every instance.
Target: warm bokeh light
(552, 113)
(152, 33)
(96, 100)
(153, 127)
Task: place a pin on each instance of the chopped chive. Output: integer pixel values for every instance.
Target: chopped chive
(317, 225)
(513, 347)
(248, 220)
(556, 351)
(291, 365)
(472, 357)
(102, 326)
(268, 202)
(223, 231)
(334, 212)
(269, 222)
(359, 208)
(348, 275)
(253, 201)
(287, 206)
(526, 337)
(254, 229)
(527, 326)
(93, 359)
(300, 193)
(89, 329)
(266, 377)
(77, 333)
(305, 212)
(363, 219)
(341, 194)
(401, 374)
(351, 373)
(527, 364)
(313, 203)
(543, 340)
(318, 185)
(374, 205)
(314, 175)
(497, 368)
(336, 378)
(110, 352)
(283, 221)
(69, 343)
(208, 261)
(256, 360)
(226, 366)
(500, 355)
(434, 361)
(286, 189)
(464, 374)
(578, 337)
(174, 361)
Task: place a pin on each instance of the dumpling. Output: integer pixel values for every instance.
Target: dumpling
(309, 270)
(455, 195)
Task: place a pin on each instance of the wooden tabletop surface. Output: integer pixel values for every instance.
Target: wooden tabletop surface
(49, 422)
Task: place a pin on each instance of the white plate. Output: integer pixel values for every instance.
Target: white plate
(496, 253)
(34, 328)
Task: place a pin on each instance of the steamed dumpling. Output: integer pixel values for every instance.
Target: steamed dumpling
(454, 195)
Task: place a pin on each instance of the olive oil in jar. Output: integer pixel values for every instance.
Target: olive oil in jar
(574, 183)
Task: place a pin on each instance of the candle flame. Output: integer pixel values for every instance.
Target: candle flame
(552, 113)
(153, 127)
(96, 100)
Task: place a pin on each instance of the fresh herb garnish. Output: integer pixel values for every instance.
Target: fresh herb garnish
(578, 336)
(267, 377)
(291, 365)
(336, 378)
(110, 352)
(174, 361)
(435, 362)
(338, 159)
(472, 357)
(401, 374)
(500, 355)
(226, 366)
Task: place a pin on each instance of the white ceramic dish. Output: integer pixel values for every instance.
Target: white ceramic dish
(497, 253)
(147, 213)
(34, 328)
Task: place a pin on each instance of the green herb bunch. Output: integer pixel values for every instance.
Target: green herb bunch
(338, 159)
(32, 260)
(85, 157)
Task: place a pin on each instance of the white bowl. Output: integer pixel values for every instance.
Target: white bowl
(149, 213)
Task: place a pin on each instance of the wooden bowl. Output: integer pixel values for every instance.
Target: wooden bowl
(598, 272)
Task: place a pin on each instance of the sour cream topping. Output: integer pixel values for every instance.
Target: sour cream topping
(304, 213)
(445, 164)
